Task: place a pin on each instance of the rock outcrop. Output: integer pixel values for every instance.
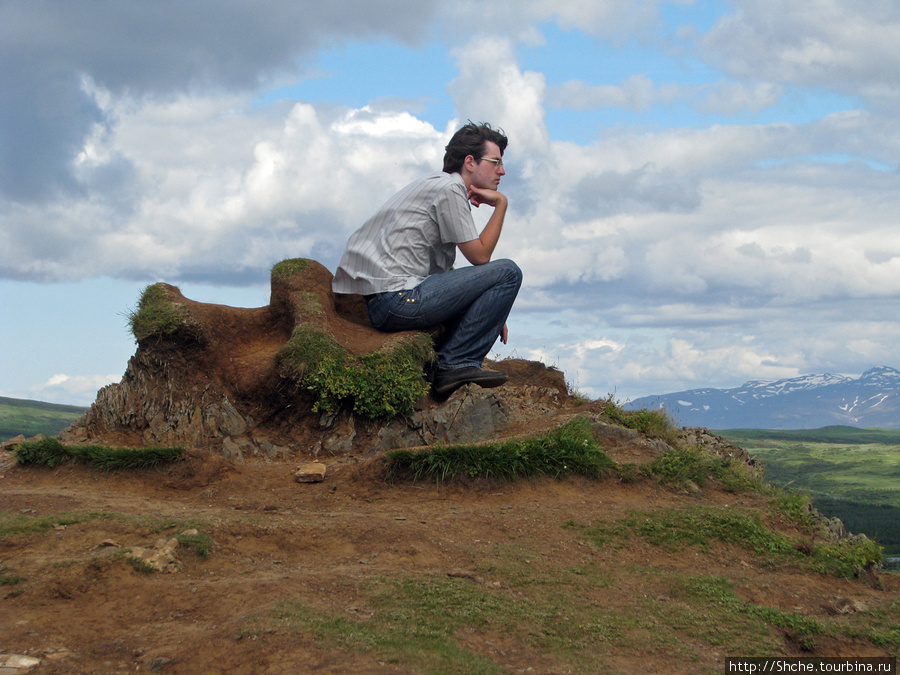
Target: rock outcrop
(213, 376)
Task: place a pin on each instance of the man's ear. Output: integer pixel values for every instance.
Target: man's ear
(469, 163)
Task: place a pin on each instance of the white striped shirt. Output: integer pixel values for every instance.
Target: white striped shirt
(413, 236)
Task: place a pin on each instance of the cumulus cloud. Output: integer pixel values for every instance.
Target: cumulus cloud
(491, 86)
(849, 46)
(154, 49)
(731, 98)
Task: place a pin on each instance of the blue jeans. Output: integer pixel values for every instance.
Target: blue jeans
(471, 303)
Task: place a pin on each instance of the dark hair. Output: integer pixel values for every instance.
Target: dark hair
(470, 141)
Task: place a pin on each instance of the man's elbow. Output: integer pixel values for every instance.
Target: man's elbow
(477, 255)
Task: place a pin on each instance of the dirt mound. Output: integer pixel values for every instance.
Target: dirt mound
(209, 376)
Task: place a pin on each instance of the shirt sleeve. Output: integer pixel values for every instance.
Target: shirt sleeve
(453, 215)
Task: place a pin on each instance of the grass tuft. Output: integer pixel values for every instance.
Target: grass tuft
(653, 423)
(569, 449)
(679, 467)
(7, 579)
(157, 316)
(289, 267)
(50, 452)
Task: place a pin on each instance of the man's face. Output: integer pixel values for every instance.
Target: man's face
(486, 174)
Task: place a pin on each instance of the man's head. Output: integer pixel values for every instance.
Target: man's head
(470, 140)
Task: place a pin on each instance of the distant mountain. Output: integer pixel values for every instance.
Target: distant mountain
(807, 402)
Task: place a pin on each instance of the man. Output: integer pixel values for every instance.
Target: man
(402, 259)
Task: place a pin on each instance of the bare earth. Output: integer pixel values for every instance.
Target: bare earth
(337, 548)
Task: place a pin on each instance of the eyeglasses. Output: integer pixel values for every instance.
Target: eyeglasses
(498, 163)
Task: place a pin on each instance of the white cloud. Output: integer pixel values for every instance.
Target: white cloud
(492, 88)
(70, 389)
(731, 98)
(849, 46)
(637, 93)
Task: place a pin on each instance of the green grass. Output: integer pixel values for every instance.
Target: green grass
(49, 452)
(31, 418)
(701, 526)
(157, 316)
(9, 579)
(572, 618)
(680, 466)
(415, 623)
(653, 423)
(569, 449)
(289, 267)
(15, 524)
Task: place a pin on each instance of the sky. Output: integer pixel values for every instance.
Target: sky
(702, 192)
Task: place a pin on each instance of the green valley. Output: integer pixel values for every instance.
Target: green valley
(852, 474)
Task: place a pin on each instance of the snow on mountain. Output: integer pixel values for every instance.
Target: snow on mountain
(805, 402)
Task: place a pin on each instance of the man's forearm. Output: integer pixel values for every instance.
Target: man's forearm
(479, 251)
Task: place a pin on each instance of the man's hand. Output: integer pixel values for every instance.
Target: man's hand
(479, 251)
(504, 334)
(479, 196)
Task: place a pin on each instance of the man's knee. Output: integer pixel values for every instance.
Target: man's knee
(510, 270)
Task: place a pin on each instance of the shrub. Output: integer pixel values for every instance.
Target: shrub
(378, 385)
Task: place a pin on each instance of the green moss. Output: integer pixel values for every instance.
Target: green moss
(378, 385)
(289, 267)
(156, 315)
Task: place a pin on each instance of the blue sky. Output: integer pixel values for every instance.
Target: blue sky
(701, 193)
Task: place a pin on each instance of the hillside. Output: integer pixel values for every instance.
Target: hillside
(670, 558)
(807, 402)
(19, 416)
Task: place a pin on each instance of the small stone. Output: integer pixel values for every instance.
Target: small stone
(313, 472)
(17, 663)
